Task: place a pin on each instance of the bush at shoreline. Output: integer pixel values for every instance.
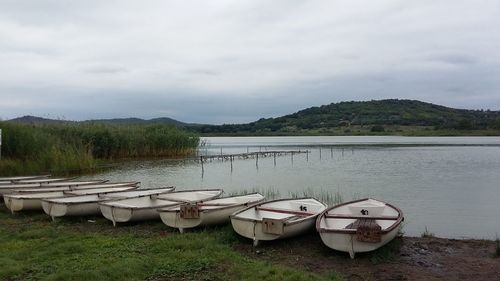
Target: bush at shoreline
(70, 148)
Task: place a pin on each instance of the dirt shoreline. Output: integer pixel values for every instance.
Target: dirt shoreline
(405, 258)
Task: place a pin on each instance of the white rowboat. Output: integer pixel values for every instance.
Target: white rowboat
(277, 219)
(359, 226)
(31, 201)
(145, 207)
(43, 187)
(209, 212)
(43, 180)
(8, 180)
(87, 205)
(77, 188)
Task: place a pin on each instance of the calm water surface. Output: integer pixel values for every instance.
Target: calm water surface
(451, 185)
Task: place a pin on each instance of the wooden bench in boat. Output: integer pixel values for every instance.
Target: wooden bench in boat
(276, 226)
(215, 204)
(192, 210)
(284, 211)
(367, 230)
(338, 216)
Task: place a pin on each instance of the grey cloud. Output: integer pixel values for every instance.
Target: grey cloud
(226, 62)
(203, 72)
(457, 59)
(98, 69)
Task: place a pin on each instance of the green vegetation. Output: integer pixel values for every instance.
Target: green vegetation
(427, 233)
(379, 117)
(329, 197)
(33, 248)
(74, 147)
(386, 117)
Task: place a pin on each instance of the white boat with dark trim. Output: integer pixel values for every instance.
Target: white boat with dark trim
(5, 189)
(145, 207)
(87, 205)
(277, 219)
(359, 226)
(81, 187)
(32, 201)
(43, 180)
(9, 180)
(209, 212)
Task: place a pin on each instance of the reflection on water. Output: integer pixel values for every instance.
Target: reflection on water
(452, 190)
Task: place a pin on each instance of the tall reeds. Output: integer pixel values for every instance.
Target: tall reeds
(72, 147)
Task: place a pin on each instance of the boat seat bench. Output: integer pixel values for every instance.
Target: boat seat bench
(284, 211)
(339, 216)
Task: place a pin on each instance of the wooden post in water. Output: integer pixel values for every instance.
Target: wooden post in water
(320, 153)
(331, 152)
(202, 168)
(274, 159)
(291, 154)
(231, 159)
(257, 160)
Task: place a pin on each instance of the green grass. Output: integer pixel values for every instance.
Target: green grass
(33, 248)
(74, 148)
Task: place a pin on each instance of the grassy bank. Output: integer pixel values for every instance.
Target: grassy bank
(70, 148)
(365, 130)
(33, 248)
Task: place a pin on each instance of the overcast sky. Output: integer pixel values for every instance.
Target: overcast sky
(238, 61)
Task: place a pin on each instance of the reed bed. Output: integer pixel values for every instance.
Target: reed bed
(73, 147)
(329, 197)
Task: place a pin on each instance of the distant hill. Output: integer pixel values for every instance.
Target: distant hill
(28, 119)
(391, 116)
(365, 116)
(162, 120)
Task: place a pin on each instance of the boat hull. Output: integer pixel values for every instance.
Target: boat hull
(206, 217)
(253, 229)
(79, 209)
(27, 204)
(144, 208)
(122, 215)
(277, 219)
(347, 242)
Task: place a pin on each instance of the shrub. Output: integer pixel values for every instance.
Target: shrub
(69, 147)
(377, 128)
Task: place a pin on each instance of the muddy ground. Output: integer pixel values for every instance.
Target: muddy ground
(405, 258)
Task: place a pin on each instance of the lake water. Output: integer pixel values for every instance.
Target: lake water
(449, 185)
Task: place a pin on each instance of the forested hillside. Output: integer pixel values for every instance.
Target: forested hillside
(374, 116)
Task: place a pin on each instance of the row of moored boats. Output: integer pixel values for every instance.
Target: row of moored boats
(358, 226)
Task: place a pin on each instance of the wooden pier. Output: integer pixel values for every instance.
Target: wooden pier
(249, 155)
